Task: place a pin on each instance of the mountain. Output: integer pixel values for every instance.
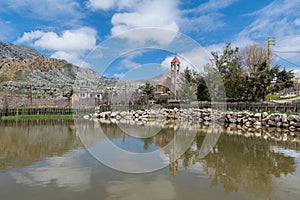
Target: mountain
(12, 51)
(22, 67)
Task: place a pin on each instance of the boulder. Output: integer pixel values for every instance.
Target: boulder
(232, 120)
(278, 124)
(271, 122)
(248, 124)
(257, 115)
(291, 118)
(284, 118)
(265, 114)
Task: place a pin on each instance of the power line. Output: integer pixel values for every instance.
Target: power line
(286, 60)
(286, 51)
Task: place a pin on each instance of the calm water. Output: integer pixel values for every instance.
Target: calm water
(46, 160)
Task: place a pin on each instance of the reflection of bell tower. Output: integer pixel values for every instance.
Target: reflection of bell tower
(173, 168)
(175, 68)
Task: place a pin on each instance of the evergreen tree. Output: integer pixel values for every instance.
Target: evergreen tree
(148, 90)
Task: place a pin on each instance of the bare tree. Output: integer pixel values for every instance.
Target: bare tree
(254, 56)
(5, 104)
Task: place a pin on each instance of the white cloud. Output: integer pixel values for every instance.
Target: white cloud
(71, 45)
(161, 14)
(141, 14)
(273, 20)
(113, 4)
(195, 59)
(206, 17)
(30, 36)
(297, 22)
(101, 4)
(71, 57)
(214, 5)
(288, 43)
(278, 19)
(70, 40)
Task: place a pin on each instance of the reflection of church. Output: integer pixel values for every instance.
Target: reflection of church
(169, 139)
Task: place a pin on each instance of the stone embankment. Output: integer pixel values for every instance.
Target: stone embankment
(245, 118)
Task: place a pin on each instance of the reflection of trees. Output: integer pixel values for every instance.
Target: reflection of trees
(241, 163)
(236, 162)
(22, 145)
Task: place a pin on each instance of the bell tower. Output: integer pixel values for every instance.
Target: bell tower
(175, 68)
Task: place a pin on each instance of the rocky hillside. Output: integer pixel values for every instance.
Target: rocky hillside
(12, 51)
(23, 67)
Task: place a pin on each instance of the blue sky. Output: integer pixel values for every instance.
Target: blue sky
(70, 29)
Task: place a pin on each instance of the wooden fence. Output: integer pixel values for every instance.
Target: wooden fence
(43, 111)
(255, 107)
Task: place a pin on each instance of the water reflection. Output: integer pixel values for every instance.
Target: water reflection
(97, 138)
(243, 167)
(136, 189)
(20, 145)
(62, 172)
(236, 162)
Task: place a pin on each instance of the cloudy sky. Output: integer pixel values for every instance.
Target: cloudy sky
(71, 29)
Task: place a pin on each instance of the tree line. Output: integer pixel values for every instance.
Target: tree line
(245, 74)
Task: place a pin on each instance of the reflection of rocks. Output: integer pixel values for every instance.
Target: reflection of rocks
(22, 145)
(266, 133)
(141, 129)
(287, 127)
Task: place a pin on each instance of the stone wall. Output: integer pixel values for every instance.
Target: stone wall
(245, 118)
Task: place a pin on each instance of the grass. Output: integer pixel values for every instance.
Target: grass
(296, 101)
(278, 98)
(34, 117)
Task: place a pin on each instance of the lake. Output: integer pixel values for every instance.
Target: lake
(60, 160)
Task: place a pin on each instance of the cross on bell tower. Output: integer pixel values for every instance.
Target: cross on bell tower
(175, 68)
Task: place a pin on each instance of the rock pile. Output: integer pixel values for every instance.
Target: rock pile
(279, 120)
(198, 115)
(257, 120)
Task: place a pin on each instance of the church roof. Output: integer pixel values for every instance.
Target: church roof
(175, 60)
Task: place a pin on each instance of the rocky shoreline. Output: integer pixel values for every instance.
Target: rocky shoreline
(275, 127)
(243, 118)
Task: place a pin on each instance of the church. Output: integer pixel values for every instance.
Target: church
(170, 84)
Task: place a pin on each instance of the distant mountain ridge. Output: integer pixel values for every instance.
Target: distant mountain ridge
(11, 51)
(49, 77)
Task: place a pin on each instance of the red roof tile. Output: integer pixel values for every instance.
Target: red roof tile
(175, 60)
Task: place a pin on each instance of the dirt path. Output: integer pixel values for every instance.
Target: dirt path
(286, 100)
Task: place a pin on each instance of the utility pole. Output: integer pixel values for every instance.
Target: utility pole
(271, 41)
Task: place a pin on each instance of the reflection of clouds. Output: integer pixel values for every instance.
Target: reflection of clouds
(197, 169)
(287, 152)
(210, 140)
(97, 141)
(134, 189)
(58, 171)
